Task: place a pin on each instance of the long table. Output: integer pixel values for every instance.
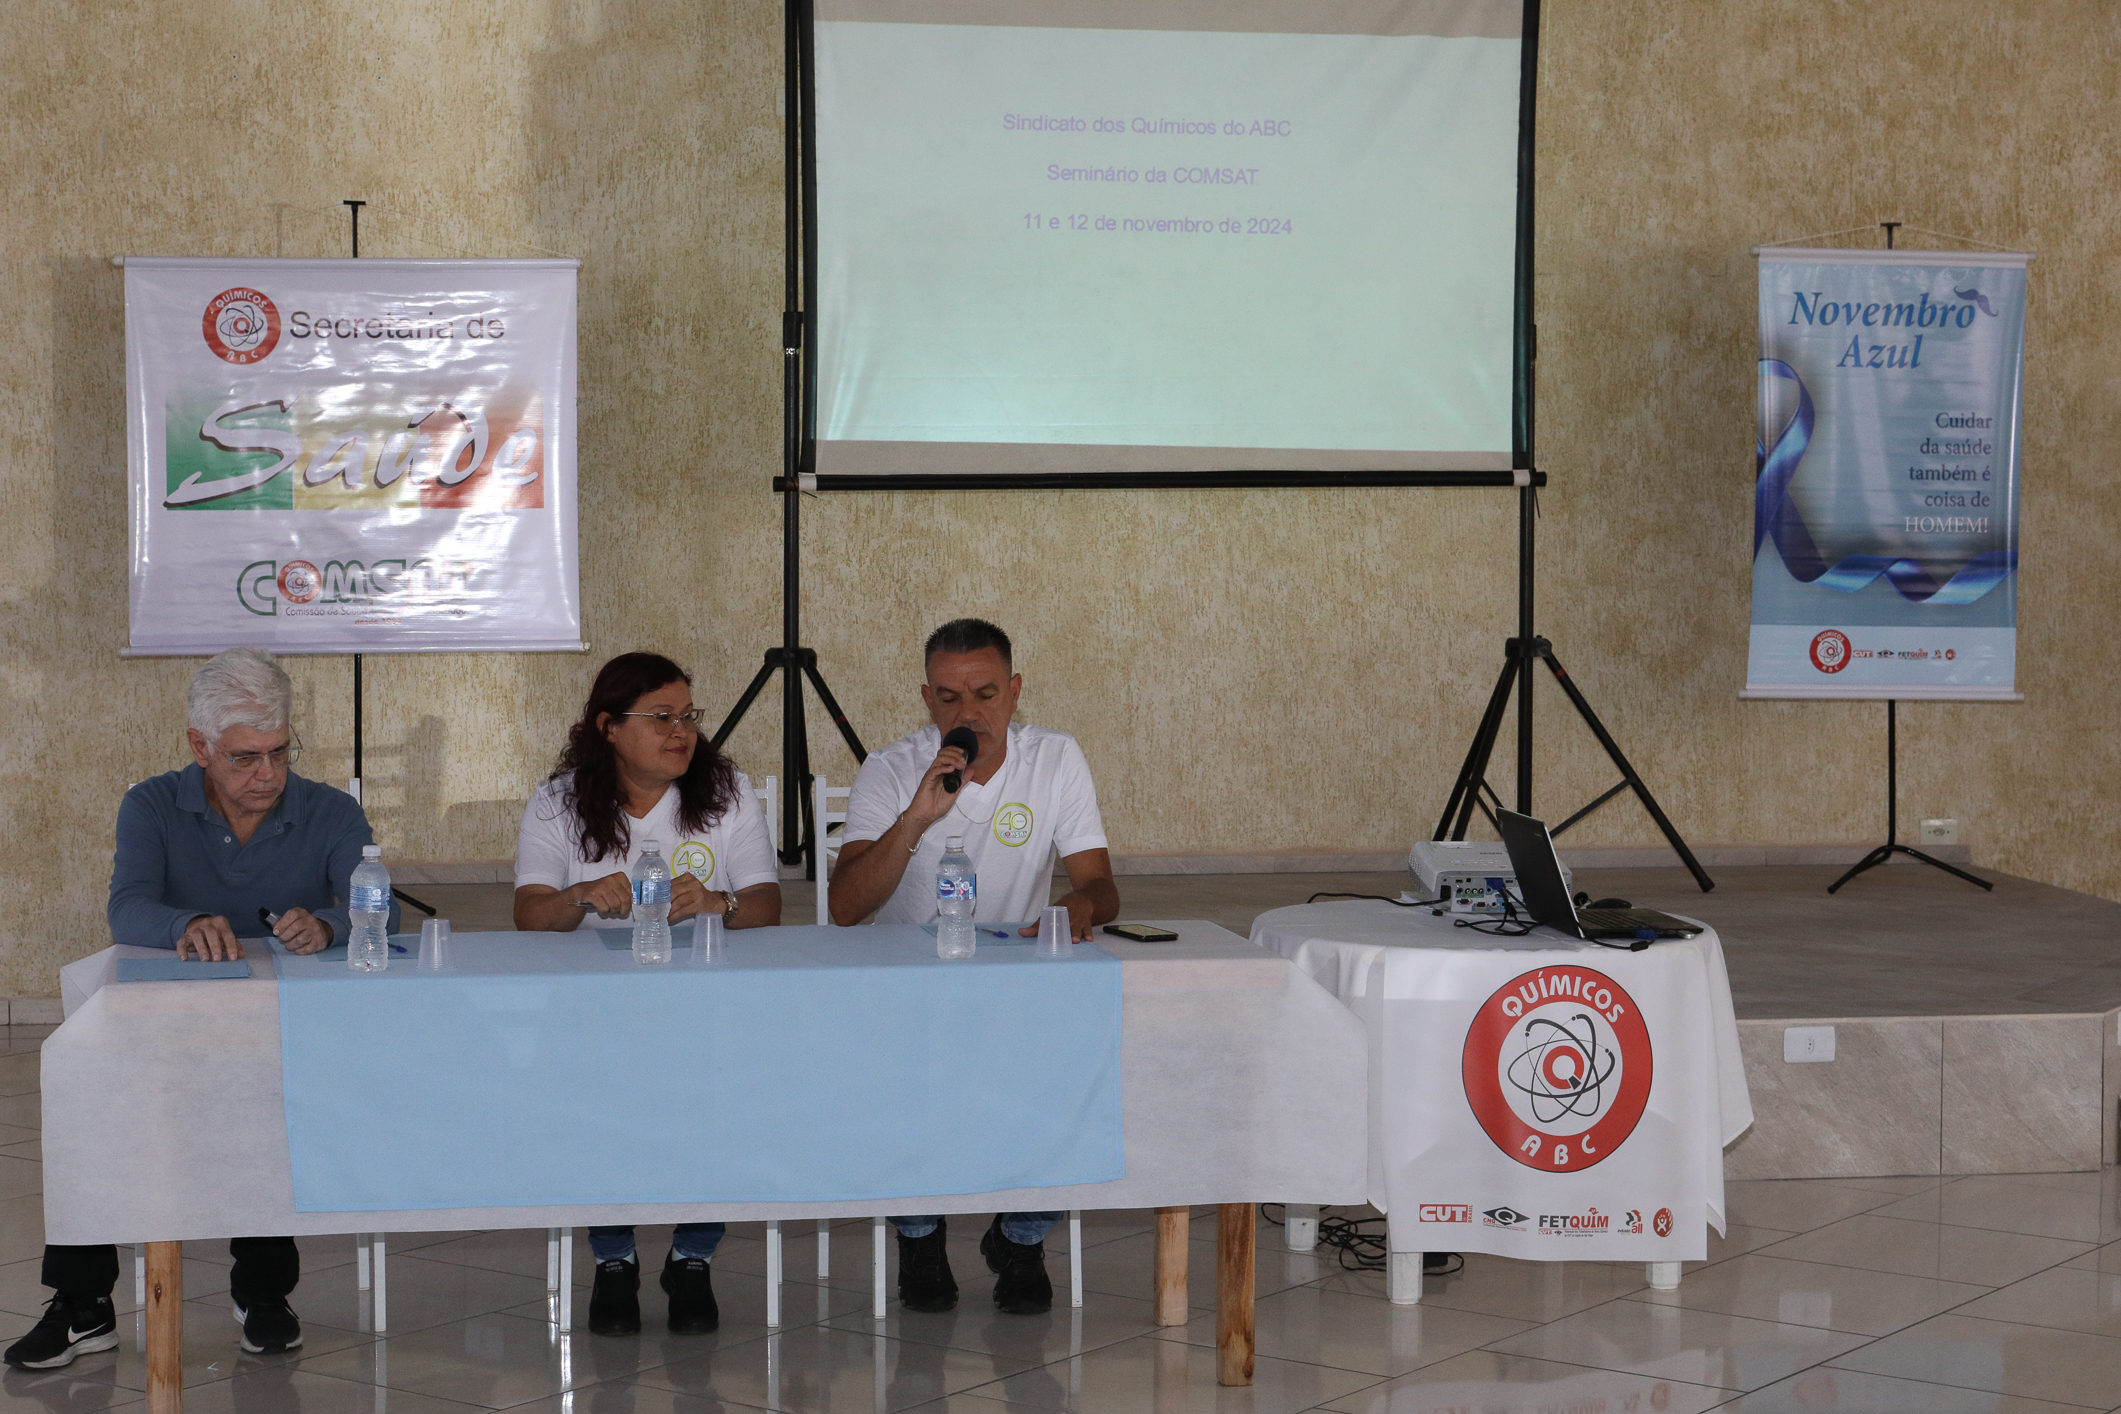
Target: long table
(1536, 1097)
(1241, 1079)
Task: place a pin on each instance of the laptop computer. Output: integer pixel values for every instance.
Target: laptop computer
(1546, 898)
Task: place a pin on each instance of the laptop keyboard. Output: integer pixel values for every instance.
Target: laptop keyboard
(1623, 919)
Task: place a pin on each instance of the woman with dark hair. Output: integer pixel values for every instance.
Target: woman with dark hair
(635, 773)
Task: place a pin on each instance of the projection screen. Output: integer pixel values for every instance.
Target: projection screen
(1170, 236)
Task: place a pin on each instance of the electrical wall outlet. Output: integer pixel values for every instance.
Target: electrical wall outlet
(1807, 1043)
(1940, 832)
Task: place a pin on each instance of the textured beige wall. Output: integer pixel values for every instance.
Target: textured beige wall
(1279, 670)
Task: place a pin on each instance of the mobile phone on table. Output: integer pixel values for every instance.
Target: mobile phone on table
(1141, 932)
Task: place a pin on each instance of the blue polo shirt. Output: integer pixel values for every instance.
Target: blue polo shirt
(177, 858)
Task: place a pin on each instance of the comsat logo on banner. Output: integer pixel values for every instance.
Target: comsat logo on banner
(350, 588)
(1557, 1068)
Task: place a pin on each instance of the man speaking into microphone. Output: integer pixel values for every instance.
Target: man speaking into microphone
(1016, 795)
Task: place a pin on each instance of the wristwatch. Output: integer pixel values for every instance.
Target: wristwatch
(729, 907)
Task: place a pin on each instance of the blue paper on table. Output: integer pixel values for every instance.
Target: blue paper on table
(170, 969)
(815, 1064)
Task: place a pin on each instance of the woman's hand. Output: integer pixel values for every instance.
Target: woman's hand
(611, 896)
(689, 898)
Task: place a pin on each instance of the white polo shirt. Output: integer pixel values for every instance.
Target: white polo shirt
(733, 853)
(1041, 803)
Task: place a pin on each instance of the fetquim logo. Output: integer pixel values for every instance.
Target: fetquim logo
(241, 325)
(1557, 1068)
(1586, 1224)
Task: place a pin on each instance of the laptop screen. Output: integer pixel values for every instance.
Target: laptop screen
(1538, 870)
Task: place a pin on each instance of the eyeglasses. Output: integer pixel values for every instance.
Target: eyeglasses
(246, 763)
(666, 722)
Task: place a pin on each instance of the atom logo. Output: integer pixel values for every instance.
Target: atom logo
(299, 581)
(241, 325)
(1563, 1070)
(1830, 651)
(1557, 1068)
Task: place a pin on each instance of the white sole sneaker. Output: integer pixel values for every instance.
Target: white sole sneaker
(243, 1320)
(87, 1345)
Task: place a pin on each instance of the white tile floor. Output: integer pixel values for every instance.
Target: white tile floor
(1999, 1294)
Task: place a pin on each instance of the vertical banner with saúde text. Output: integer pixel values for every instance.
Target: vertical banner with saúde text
(351, 456)
(1885, 511)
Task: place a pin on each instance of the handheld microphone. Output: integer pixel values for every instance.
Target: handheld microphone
(963, 739)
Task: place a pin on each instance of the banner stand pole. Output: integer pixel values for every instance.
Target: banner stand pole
(1518, 655)
(353, 787)
(1892, 845)
(793, 662)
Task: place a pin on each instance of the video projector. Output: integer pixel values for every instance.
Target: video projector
(1469, 875)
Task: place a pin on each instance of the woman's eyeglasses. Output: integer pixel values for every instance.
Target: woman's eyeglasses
(667, 722)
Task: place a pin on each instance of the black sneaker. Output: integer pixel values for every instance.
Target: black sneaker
(924, 1280)
(1022, 1288)
(269, 1324)
(689, 1282)
(615, 1300)
(70, 1326)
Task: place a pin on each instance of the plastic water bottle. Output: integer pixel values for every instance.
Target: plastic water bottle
(956, 897)
(651, 905)
(368, 950)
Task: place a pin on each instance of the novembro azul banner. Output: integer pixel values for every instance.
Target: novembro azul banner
(351, 456)
(1885, 503)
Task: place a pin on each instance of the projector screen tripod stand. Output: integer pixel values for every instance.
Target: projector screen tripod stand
(794, 663)
(1884, 853)
(1519, 653)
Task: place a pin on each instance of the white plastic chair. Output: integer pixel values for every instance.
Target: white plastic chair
(769, 796)
(828, 844)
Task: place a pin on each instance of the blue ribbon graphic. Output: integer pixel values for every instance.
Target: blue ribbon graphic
(1775, 515)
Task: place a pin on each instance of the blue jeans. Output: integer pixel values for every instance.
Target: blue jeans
(687, 1240)
(1021, 1228)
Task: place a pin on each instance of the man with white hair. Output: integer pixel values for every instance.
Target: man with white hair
(205, 855)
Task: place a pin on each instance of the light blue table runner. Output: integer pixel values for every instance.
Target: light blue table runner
(171, 969)
(816, 1064)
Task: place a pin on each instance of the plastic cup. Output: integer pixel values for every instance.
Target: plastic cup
(709, 944)
(434, 945)
(1056, 934)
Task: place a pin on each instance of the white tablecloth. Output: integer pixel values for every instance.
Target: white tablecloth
(1508, 1106)
(1241, 1080)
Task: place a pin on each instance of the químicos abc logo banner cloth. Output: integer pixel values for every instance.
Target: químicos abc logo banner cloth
(352, 455)
(1885, 510)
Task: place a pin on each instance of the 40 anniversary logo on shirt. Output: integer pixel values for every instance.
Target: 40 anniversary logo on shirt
(1012, 824)
(1558, 1067)
(695, 858)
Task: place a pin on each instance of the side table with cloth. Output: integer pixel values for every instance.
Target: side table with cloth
(1537, 1097)
(1238, 1079)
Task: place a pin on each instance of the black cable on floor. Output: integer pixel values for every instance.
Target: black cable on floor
(1358, 1247)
